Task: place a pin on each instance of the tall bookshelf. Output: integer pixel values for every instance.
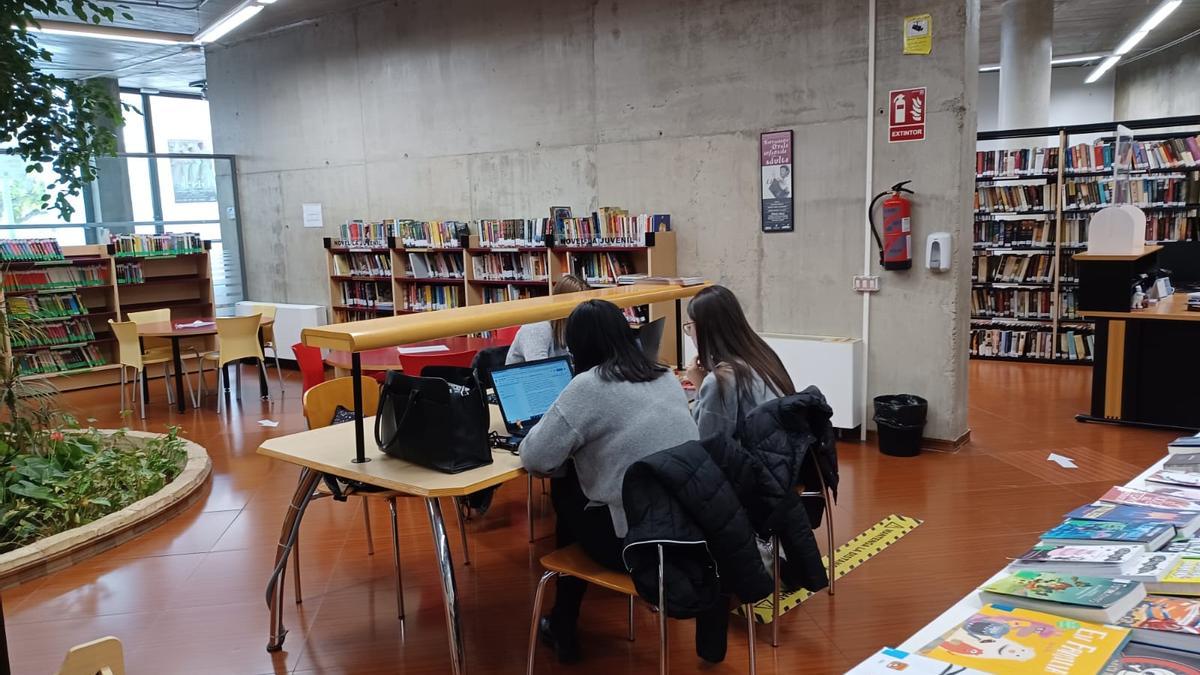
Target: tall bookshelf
(74, 348)
(491, 273)
(1032, 206)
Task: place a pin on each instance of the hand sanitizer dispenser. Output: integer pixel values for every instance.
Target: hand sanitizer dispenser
(938, 251)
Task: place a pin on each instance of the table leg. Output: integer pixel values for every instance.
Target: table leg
(287, 539)
(441, 547)
(145, 381)
(177, 362)
(263, 392)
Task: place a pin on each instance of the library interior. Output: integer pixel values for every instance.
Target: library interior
(600, 336)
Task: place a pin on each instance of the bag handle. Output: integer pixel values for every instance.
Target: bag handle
(412, 398)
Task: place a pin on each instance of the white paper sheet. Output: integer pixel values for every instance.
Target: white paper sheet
(425, 349)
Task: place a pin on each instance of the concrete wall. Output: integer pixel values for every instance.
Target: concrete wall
(474, 109)
(1072, 101)
(1163, 85)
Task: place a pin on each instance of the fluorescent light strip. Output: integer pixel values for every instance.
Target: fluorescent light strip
(108, 33)
(224, 26)
(1164, 10)
(1082, 58)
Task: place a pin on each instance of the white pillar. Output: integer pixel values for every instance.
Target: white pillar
(1026, 29)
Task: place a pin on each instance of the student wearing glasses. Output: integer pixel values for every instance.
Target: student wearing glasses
(734, 371)
(619, 408)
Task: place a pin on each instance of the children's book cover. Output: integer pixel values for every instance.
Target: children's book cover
(1176, 478)
(1124, 495)
(1004, 640)
(1063, 588)
(888, 660)
(1164, 613)
(1127, 513)
(1138, 659)
(1152, 566)
(1105, 530)
(1186, 571)
(1100, 555)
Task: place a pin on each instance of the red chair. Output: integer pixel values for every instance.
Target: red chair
(505, 336)
(312, 364)
(414, 364)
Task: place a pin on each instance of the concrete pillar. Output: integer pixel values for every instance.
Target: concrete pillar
(1026, 29)
(113, 201)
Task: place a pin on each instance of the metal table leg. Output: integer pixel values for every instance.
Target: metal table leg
(441, 547)
(263, 392)
(287, 539)
(177, 363)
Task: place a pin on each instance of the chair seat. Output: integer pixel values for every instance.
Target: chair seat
(151, 359)
(575, 562)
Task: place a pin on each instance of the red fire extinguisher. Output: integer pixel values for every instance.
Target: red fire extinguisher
(895, 249)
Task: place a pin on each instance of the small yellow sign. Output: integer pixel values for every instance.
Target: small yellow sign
(918, 34)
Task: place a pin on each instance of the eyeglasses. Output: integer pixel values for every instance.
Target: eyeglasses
(689, 328)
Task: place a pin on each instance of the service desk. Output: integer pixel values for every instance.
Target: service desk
(1147, 366)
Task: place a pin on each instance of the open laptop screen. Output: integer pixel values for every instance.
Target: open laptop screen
(527, 390)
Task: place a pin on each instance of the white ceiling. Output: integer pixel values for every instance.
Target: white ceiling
(1081, 26)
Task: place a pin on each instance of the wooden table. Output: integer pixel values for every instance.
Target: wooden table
(388, 358)
(329, 450)
(176, 330)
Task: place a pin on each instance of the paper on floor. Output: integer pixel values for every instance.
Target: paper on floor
(268, 423)
(1064, 462)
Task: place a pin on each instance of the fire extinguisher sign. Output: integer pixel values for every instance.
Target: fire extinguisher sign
(906, 115)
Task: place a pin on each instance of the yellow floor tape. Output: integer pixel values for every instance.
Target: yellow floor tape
(850, 555)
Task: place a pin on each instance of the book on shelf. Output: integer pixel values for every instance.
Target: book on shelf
(600, 268)
(431, 234)
(505, 293)
(1016, 269)
(1015, 198)
(609, 226)
(1124, 495)
(49, 278)
(30, 250)
(1083, 598)
(511, 267)
(149, 245)
(366, 294)
(129, 273)
(46, 306)
(1141, 658)
(1150, 536)
(514, 232)
(1145, 155)
(888, 660)
(365, 234)
(362, 264)
(1182, 579)
(1185, 522)
(1007, 640)
(57, 333)
(1173, 623)
(1184, 445)
(1012, 303)
(58, 360)
(1036, 343)
(434, 265)
(1025, 232)
(420, 297)
(1145, 192)
(629, 279)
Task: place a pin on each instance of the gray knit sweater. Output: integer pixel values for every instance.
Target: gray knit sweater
(605, 427)
(533, 341)
(719, 408)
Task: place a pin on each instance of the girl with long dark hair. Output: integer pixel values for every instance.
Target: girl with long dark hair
(735, 370)
(619, 408)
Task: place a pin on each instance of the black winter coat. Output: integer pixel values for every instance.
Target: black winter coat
(705, 501)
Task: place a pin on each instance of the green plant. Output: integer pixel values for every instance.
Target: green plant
(46, 119)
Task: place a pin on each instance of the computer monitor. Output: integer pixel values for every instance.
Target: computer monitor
(650, 337)
(527, 390)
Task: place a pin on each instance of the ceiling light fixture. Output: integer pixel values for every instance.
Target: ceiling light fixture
(1062, 61)
(228, 23)
(1164, 10)
(116, 33)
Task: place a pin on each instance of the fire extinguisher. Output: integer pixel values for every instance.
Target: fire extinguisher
(895, 248)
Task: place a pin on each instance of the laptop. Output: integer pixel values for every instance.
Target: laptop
(526, 391)
(650, 337)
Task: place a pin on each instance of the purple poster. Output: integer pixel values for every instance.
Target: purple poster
(775, 155)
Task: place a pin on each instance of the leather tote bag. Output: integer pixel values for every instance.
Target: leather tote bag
(437, 422)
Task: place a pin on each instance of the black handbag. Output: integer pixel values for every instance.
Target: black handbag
(437, 422)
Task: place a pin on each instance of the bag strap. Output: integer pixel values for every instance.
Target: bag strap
(412, 398)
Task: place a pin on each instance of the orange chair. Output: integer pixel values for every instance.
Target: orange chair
(505, 336)
(414, 364)
(312, 365)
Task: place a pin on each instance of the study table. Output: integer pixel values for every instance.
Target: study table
(179, 329)
(388, 358)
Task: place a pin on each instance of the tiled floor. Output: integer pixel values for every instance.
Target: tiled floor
(188, 597)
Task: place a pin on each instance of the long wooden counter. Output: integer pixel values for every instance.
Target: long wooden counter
(1173, 308)
(359, 336)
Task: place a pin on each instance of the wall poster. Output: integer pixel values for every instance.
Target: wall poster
(775, 160)
(192, 180)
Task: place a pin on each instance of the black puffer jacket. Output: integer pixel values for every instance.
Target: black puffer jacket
(706, 500)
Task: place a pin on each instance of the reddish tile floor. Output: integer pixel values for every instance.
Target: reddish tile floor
(188, 597)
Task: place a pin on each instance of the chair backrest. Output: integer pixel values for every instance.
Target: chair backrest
(322, 401)
(487, 360)
(238, 336)
(268, 312)
(98, 657)
(505, 336)
(312, 364)
(413, 364)
(129, 348)
(151, 316)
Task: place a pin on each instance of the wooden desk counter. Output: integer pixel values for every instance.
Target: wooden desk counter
(1173, 308)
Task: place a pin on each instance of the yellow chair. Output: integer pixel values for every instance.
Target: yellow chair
(130, 355)
(98, 657)
(152, 344)
(320, 404)
(268, 336)
(237, 339)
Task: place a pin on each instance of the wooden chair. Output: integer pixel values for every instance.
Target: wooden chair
(98, 657)
(268, 336)
(825, 494)
(237, 339)
(573, 561)
(312, 365)
(130, 355)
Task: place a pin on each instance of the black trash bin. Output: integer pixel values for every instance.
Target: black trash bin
(900, 419)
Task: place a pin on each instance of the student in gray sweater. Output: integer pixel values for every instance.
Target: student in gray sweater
(544, 339)
(619, 408)
(735, 371)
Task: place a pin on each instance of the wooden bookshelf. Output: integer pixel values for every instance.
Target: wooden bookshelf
(476, 287)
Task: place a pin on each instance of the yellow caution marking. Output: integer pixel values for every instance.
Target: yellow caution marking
(850, 555)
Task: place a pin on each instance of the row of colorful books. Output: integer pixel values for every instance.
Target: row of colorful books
(40, 306)
(30, 250)
(1000, 268)
(1171, 153)
(367, 294)
(46, 278)
(600, 268)
(167, 244)
(435, 266)
(511, 266)
(1016, 198)
(1037, 342)
(1015, 163)
(515, 232)
(506, 293)
(1114, 588)
(130, 273)
(54, 333)
(1028, 232)
(410, 233)
(425, 297)
(609, 226)
(59, 360)
(1146, 192)
(362, 264)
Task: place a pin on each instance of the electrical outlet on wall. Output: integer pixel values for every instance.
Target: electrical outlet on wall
(864, 283)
